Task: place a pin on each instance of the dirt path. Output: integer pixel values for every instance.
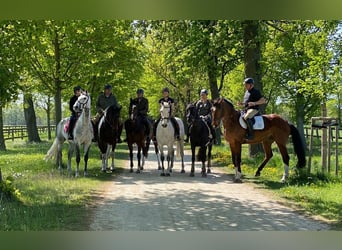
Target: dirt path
(149, 202)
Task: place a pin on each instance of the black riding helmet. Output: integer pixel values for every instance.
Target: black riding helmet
(248, 80)
(166, 89)
(140, 91)
(77, 88)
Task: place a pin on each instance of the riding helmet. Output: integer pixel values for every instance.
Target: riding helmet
(166, 90)
(108, 86)
(76, 88)
(140, 91)
(204, 91)
(249, 80)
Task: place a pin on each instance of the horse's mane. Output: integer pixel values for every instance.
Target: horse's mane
(219, 100)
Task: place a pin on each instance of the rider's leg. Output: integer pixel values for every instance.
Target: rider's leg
(176, 126)
(155, 125)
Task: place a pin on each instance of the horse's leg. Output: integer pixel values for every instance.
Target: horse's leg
(209, 159)
(204, 152)
(266, 144)
(78, 159)
(112, 154)
(236, 157)
(171, 157)
(59, 157)
(156, 150)
(86, 156)
(181, 149)
(139, 158)
(70, 153)
(130, 147)
(162, 157)
(193, 155)
(286, 159)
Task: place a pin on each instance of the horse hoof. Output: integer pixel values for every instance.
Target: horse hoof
(192, 174)
(204, 175)
(170, 170)
(159, 168)
(168, 174)
(138, 171)
(131, 170)
(183, 171)
(209, 171)
(141, 168)
(162, 174)
(104, 171)
(237, 181)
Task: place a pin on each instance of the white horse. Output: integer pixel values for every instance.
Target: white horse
(165, 136)
(83, 135)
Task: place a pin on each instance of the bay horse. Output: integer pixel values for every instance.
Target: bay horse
(136, 134)
(165, 136)
(199, 134)
(82, 135)
(108, 128)
(276, 129)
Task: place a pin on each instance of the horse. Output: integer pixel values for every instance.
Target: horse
(199, 134)
(108, 127)
(135, 132)
(82, 135)
(276, 129)
(165, 136)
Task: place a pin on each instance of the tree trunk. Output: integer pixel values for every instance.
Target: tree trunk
(58, 84)
(48, 116)
(252, 56)
(2, 139)
(30, 118)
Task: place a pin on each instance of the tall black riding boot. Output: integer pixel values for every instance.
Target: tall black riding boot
(250, 132)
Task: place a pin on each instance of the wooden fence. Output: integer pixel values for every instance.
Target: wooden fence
(318, 132)
(12, 132)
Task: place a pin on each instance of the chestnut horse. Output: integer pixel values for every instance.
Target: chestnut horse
(276, 129)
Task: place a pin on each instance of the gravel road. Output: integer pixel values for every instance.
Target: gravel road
(149, 202)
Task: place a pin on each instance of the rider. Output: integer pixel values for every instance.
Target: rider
(74, 114)
(251, 102)
(168, 99)
(142, 108)
(203, 107)
(105, 100)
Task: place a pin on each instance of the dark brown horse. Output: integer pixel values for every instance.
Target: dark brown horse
(108, 132)
(136, 134)
(199, 134)
(276, 129)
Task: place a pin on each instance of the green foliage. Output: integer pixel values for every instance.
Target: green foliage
(7, 189)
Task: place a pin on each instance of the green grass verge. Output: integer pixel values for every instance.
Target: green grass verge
(316, 193)
(48, 199)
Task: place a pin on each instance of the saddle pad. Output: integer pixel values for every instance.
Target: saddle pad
(258, 124)
(66, 126)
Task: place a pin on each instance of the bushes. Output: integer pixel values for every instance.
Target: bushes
(7, 190)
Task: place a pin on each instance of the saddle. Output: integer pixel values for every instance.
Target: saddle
(258, 122)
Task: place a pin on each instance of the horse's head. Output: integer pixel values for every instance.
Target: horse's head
(165, 113)
(83, 102)
(112, 116)
(222, 108)
(191, 113)
(133, 111)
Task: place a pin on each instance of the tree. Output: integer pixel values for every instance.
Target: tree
(8, 73)
(298, 63)
(252, 56)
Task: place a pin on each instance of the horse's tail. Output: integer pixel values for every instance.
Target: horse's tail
(53, 151)
(201, 154)
(298, 146)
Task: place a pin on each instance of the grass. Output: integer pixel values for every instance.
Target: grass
(316, 193)
(49, 200)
